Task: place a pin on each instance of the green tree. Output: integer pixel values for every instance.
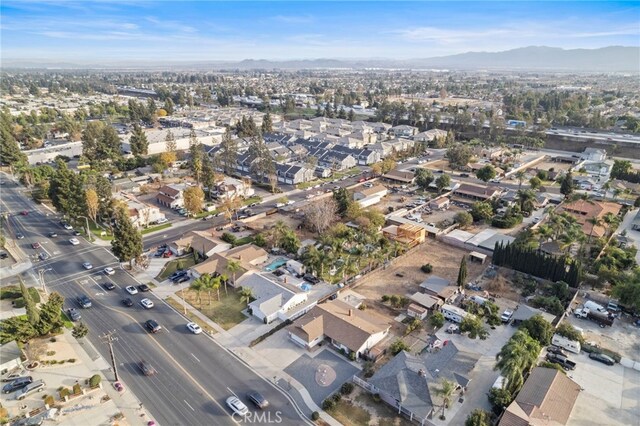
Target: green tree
(482, 211)
(193, 199)
(473, 325)
(462, 272)
(398, 346)
(566, 186)
(127, 240)
(535, 183)
(478, 417)
(65, 191)
(500, 399)
(33, 314)
(233, 266)
(267, 123)
(486, 173)
(567, 330)
(459, 155)
(246, 294)
(197, 156)
(9, 149)
(464, 219)
(170, 142)
(519, 175)
(516, 358)
(539, 329)
(436, 320)
(198, 285)
(138, 142)
(79, 331)
(445, 391)
(343, 200)
(228, 152)
(51, 314)
(424, 177)
(443, 182)
(526, 200)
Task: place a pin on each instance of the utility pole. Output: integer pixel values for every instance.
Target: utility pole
(109, 338)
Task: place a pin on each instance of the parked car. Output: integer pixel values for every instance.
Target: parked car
(506, 316)
(556, 350)
(144, 288)
(310, 278)
(194, 328)
(24, 212)
(67, 226)
(13, 375)
(43, 256)
(17, 384)
(52, 234)
(237, 406)
(181, 279)
(73, 314)
(177, 274)
(146, 303)
(37, 386)
(87, 265)
(131, 290)
(605, 359)
(152, 326)
(257, 399)
(19, 236)
(35, 245)
(147, 369)
(74, 241)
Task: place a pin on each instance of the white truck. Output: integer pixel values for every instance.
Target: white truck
(564, 343)
(593, 306)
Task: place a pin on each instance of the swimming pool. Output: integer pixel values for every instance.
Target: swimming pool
(275, 264)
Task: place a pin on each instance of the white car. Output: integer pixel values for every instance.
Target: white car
(109, 271)
(68, 227)
(131, 290)
(87, 265)
(74, 241)
(163, 220)
(146, 303)
(194, 328)
(237, 406)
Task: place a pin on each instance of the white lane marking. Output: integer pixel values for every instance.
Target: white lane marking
(232, 392)
(185, 401)
(195, 357)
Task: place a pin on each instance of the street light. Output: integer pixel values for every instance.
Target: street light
(88, 230)
(184, 300)
(41, 276)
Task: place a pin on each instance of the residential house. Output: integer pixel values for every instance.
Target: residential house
(233, 188)
(440, 203)
(396, 175)
(524, 312)
(171, 195)
(363, 156)
(546, 398)
(410, 383)
(421, 304)
(347, 329)
(10, 356)
(403, 131)
(441, 288)
(596, 168)
(293, 174)
(584, 211)
(216, 265)
(476, 192)
(635, 224)
(141, 214)
(204, 242)
(488, 152)
(430, 135)
(275, 298)
(336, 160)
(594, 154)
(369, 196)
(406, 234)
(248, 254)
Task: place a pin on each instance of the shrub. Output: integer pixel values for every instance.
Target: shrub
(398, 346)
(336, 397)
(229, 238)
(51, 353)
(328, 404)
(18, 303)
(567, 330)
(346, 388)
(376, 397)
(53, 361)
(77, 390)
(367, 369)
(362, 307)
(53, 340)
(352, 356)
(385, 298)
(71, 360)
(64, 392)
(547, 364)
(315, 416)
(95, 380)
(61, 362)
(48, 400)
(427, 268)
(499, 399)
(35, 295)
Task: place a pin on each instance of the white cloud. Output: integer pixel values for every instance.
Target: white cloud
(171, 25)
(293, 19)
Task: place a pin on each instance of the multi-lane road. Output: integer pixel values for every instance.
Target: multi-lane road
(195, 374)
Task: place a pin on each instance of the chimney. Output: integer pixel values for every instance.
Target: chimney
(350, 312)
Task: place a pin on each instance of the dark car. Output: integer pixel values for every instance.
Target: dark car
(17, 384)
(73, 314)
(257, 399)
(181, 279)
(77, 233)
(605, 359)
(127, 302)
(53, 234)
(556, 350)
(310, 278)
(19, 236)
(43, 256)
(177, 274)
(152, 326)
(109, 286)
(4, 255)
(144, 287)
(147, 369)
(83, 301)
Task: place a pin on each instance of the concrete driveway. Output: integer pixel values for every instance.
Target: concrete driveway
(279, 350)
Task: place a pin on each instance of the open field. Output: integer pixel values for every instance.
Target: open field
(226, 312)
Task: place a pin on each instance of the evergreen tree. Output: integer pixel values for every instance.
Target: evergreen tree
(51, 314)
(228, 152)
(10, 152)
(33, 315)
(195, 149)
(566, 187)
(65, 191)
(352, 115)
(79, 331)
(462, 272)
(127, 240)
(170, 142)
(267, 123)
(138, 141)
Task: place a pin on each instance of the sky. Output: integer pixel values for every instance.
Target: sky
(110, 30)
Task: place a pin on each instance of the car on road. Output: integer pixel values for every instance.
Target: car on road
(131, 290)
(17, 384)
(73, 314)
(177, 274)
(87, 265)
(146, 303)
(152, 326)
(77, 233)
(83, 301)
(144, 288)
(181, 279)
(253, 204)
(109, 271)
(53, 234)
(37, 386)
(127, 302)
(109, 286)
(19, 236)
(208, 217)
(194, 328)
(146, 368)
(162, 220)
(605, 359)
(67, 226)
(257, 399)
(43, 256)
(24, 212)
(237, 406)
(74, 241)
(35, 245)
(4, 255)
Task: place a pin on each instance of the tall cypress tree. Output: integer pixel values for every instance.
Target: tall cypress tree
(138, 142)
(33, 314)
(127, 240)
(462, 272)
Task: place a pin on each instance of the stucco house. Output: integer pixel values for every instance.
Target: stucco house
(275, 298)
(203, 242)
(369, 196)
(171, 195)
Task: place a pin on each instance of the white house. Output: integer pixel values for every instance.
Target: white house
(231, 187)
(370, 196)
(141, 214)
(273, 299)
(171, 195)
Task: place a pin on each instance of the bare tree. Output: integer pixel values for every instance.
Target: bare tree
(93, 203)
(320, 215)
(273, 181)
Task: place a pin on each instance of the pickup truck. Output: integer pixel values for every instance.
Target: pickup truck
(565, 362)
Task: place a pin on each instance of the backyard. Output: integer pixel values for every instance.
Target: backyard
(226, 312)
(360, 409)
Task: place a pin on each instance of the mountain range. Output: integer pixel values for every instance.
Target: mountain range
(532, 58)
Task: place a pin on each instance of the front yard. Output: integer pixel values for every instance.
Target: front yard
(185, 262)
(226, 312)
(360, 409)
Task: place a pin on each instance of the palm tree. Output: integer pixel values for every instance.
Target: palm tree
(214, 284)
(224, 279)
(516, 358)
(197, 285)
(446, 389)
(594, 221)
(278, 232)
(314, 258)
(233, 266)
(246, 294)
(544, 232)
(611, 220)
(520, 175)
(526, 200)
(606, 186)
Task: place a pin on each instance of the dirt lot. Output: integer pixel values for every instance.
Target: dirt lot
(438, 165)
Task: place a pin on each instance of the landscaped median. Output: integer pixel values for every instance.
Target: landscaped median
(156, 228)
(185, 262)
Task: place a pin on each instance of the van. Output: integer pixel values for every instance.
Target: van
(477, 299)
(593, 306)
(37, 386)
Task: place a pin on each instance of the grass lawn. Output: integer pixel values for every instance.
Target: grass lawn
(349, 414)
(67, 322)
(226, 312)
(251, 200)
(97, 231)
(244, 240)
(172, 266)
(178, 307)
(386, 414)
(156, 228)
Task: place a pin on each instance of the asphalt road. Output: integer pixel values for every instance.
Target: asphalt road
(195, 375)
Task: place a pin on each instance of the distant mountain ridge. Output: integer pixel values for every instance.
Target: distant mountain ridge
(532, 58)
